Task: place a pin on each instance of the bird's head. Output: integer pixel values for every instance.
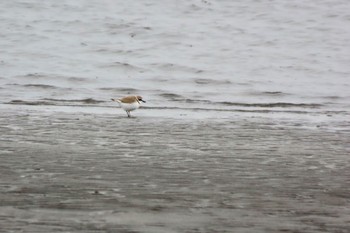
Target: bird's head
(139, 98)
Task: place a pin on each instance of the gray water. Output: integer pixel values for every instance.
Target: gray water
(246, 126)
(245, 55)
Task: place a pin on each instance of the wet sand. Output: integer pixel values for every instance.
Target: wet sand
(90, 172)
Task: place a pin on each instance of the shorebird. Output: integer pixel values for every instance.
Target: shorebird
(129, 103)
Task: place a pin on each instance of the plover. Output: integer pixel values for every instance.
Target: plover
(129, 103)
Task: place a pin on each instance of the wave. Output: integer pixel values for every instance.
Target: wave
(124, 65)
(119, 89)
(77, 79)
(89, 102)
(174, 98)
(35, 75)
(273, 93)
(113, 51)
(267, 93)
(171, 96)
(42, 77)
(24, 102)
(203, 81)
(176, 67)
(178, 98)
(85, 101)
(48, 101)
(272, 105)
(228, 110)
(44, 86)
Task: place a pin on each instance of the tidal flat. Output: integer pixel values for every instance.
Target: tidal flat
(79, 172)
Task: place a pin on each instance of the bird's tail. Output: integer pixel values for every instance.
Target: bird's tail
(116, 100)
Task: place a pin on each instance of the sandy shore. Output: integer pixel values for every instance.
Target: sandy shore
(72, 172)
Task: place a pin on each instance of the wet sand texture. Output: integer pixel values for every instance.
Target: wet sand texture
(63, 172)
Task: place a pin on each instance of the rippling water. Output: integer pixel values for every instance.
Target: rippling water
(264, 56)
(268, 81)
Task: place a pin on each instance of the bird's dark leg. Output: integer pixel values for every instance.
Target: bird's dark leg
(128, 112)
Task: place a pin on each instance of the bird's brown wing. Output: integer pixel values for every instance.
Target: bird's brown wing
(128, 99)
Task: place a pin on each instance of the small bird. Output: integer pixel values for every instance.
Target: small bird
(129, 103)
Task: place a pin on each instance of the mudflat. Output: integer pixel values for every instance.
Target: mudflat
(90, 172)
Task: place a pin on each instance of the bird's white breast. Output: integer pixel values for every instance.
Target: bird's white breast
(130, 107)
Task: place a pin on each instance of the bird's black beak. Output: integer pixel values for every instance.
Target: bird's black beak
(143, 101)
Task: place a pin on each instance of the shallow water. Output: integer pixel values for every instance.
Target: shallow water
(208, 54)
(246, 126)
